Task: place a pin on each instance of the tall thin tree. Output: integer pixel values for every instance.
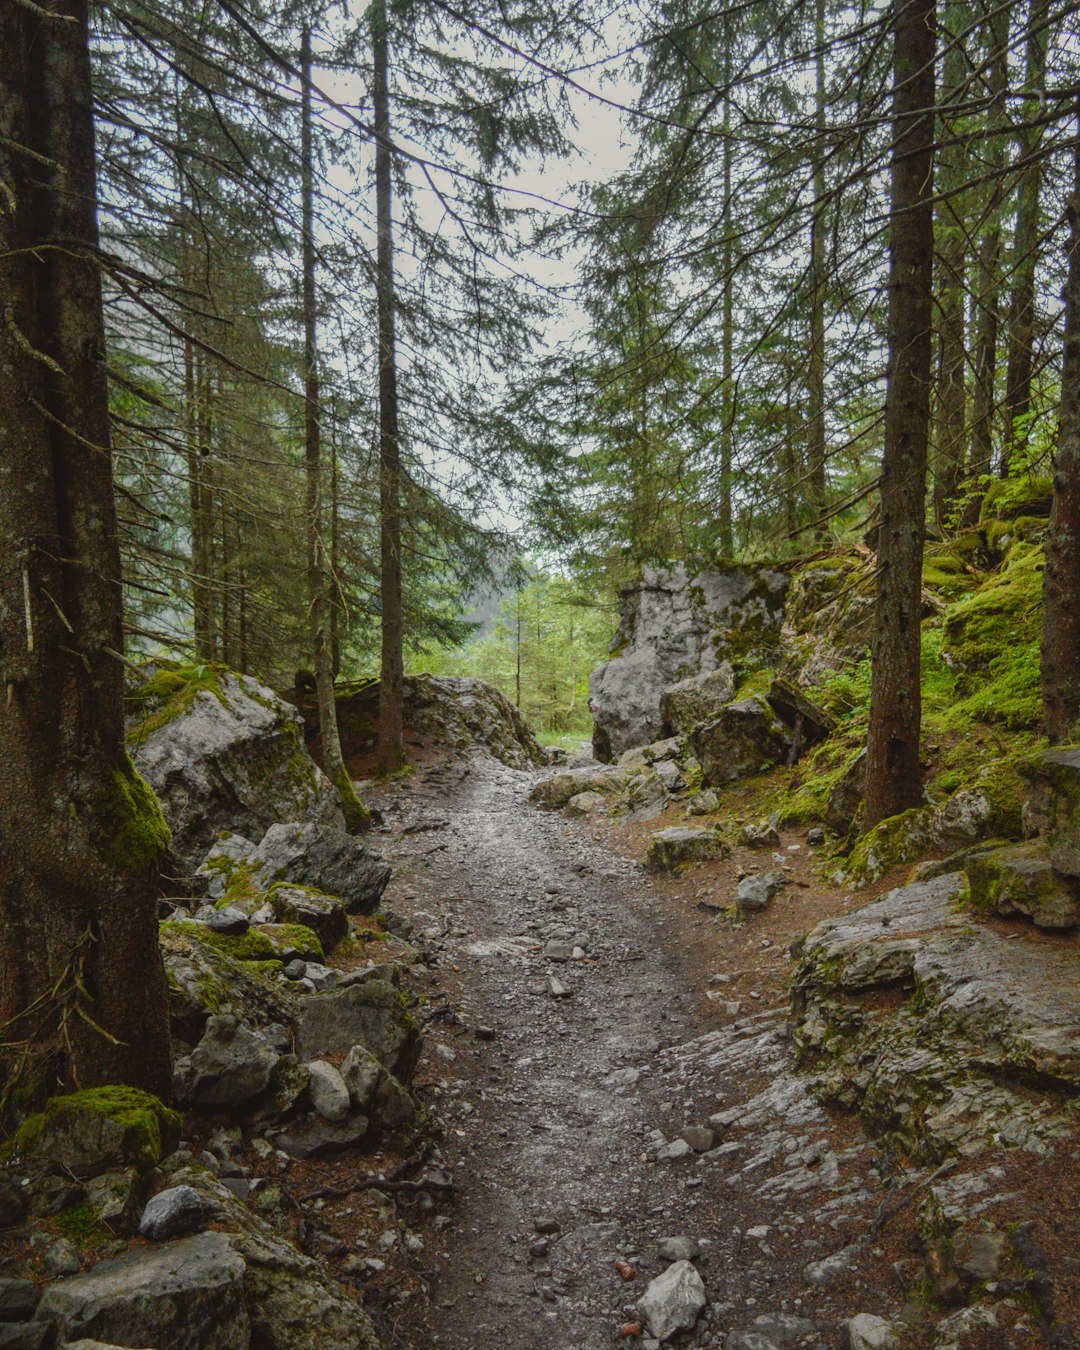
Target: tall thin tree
(893, 780)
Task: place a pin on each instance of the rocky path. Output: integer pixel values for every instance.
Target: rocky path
(578, 1057)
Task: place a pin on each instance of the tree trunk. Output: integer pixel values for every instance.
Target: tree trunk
(82, 987)
(950, 422)
(725, 531)
(391, 682)
(1061, 579)
(988, 271)
(318, 581)
(1021, 322)
(893, 780)
(818, 451)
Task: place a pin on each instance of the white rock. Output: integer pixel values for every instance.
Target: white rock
(329, 1095)
(867, 1332)
(673, 1301)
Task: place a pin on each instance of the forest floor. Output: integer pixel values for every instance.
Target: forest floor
(556, 1086)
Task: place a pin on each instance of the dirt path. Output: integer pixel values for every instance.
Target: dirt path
(560, 1121)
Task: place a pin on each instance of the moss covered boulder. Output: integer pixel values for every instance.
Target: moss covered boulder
(1021, 879)
(322, 857)
(222, 753)
(92, 1131)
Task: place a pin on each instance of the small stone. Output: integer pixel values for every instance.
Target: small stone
(867, 1332)
(820, 1272)
(678, 1148)
(556, 988)
(484, 1033)
(322, 978)
(678, 1249)
(559, 951)
(699, 1137)
(62, 1258)
(229, 920)
(538, 1250)
(756, 892)
(178, 1210)
(674, 1301)
(296, 970)
(545, 1223)
(816, 836)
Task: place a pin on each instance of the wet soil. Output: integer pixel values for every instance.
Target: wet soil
(554, 1086)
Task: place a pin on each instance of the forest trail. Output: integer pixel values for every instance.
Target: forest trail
(558, 1109)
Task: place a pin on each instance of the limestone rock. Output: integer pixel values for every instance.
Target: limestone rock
(555, 792)
(219, 866)
(329, 1095)
(18, 1299)
(370, 1014)
(867, 1332)
(91, 1131)
(674, 1301)
(846, 796)
(584, 804)
(323, 1138)
(1021, 879)
(829, 620)
(187, 1295)
(937, 1070)
(674, 626)
(756, 892)
(234, 1068)
(676, 848)
(115, 1198)
(1053, 805)
(745, 738)
(180, 1209)
(771, 1331)
(361, 1072)
(808, 723)
(229, 758)
(323, 857)
(457, 714)
(323, 914)
(697, 699)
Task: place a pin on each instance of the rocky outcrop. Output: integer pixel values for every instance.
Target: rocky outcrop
(675, 849)
(222, 752)
(829, 618)
(447, 713)
(697, 699)
(929, 1022)
(325, 858)
(675, 626)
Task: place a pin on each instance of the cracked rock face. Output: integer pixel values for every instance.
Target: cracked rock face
(675, 627)
(979, 1012)
(234, 763)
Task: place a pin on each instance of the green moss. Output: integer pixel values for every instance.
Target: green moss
(149, 1128)
(242, 888)
(1020, 495)
(129, 831)
(82, 1226)
(897, 839)
(168, 693)
(262, 968)
(357, 816)
(296, 936)
(991, 640)
(250, 946)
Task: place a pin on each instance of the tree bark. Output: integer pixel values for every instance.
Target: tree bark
(725, 529)
(818, 451)
(318, 578)
(1021, 321)
(893, 780)
(1061, 579)
(391, 684)
(82, 986)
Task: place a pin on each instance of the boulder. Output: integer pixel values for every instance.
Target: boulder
(323, 1138)
(676, 848)
(115, 1198)
(585, 804)
(772, 1331)
(186, 1295)
(746, 738)
(323, 857)
(807, 723)
(1021, 879)
(180, 1209)
(846, 796)
(674, 1301)
(91, 1131)
(674, 626)
(361, 1072)
(18, 1299)
(372, 1014)
(697, 699)
(452, 713)
(220, 865)
(323, 914)
(829, 618)
(326, 1087)
(553, 793)
(867, 1332)
(223, 753)
(236, 1069)
(1052, 809)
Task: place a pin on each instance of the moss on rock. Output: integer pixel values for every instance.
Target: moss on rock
(129, 830)
(253, 945)
(168, 693)
(98, 1128)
